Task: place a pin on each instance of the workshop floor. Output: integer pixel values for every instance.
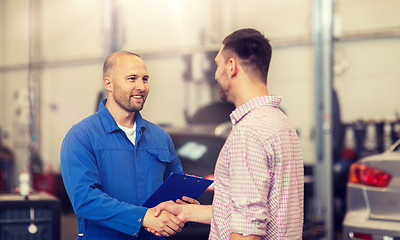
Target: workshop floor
(69, 226)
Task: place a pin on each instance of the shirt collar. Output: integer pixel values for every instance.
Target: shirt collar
(243, 110)
(109, 123)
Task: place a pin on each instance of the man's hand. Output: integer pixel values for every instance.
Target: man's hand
(174, 208)
(187, 200)
(178, 208)
(165, 224)
(187, 210)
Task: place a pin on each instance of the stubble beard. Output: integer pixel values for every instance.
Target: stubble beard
(223, 92)
(222, 95)
(129, 104)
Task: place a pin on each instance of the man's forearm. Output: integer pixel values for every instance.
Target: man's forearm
(198, 213)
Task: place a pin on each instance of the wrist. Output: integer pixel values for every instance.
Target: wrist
(192, 212)
(148, 214)
(195, 213)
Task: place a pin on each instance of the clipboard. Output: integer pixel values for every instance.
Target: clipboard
(176, 186)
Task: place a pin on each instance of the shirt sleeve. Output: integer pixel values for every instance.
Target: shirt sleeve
(250, 184)
(83, 185)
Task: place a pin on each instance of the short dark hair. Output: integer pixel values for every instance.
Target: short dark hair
(252, 48)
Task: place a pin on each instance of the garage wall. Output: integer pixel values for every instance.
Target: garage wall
(160, 31)
(367, 75)
(368, 89)
(73, 44)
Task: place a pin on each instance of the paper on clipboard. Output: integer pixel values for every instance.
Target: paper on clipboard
(176, 186)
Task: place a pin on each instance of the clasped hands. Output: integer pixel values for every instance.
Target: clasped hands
(168, 218)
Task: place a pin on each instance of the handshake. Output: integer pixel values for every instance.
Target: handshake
(168, 218)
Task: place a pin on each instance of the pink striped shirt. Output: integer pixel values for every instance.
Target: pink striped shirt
(259, 175)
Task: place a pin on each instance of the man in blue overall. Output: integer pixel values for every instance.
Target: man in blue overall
(113, 160)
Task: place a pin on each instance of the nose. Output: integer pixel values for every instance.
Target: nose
(140, 85)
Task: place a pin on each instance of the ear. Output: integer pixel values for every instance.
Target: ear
(107, 84)
(232, 67)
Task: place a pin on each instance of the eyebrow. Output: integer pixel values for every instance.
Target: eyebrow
(135, 75)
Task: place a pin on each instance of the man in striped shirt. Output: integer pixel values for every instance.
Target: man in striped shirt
(259, 175)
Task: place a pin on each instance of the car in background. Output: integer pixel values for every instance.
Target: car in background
(373, 197)
(198, 147)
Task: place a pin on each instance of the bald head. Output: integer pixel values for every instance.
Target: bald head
(110, 63)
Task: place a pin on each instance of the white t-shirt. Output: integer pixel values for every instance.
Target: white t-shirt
(130, 132)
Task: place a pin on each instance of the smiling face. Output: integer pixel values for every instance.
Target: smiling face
(128, 82)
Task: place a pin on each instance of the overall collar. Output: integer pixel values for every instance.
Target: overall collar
(109, 123)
